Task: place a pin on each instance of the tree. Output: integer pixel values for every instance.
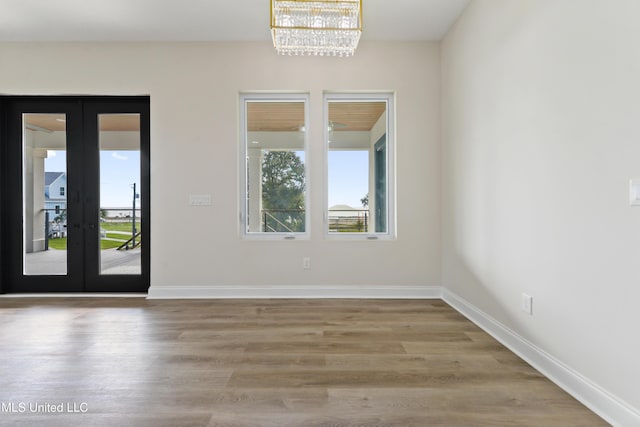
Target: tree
(365, 200)
(61, 217)
(283, 190)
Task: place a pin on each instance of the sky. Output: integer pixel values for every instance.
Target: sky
(348, 177)
(118, 171)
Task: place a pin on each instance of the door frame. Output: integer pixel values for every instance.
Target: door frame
(380, 184)
(83, 172)
(2, 200)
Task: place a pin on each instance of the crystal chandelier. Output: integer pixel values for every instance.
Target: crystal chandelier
(312, 27)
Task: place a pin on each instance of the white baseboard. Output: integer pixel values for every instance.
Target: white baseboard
(610, 408)
(346, 291)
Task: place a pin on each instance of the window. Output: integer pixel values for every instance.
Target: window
(360, 165)
(62, 191)
(274, 176)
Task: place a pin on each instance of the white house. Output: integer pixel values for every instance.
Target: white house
(55, 192)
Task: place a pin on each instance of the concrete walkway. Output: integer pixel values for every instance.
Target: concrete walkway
(54, 262)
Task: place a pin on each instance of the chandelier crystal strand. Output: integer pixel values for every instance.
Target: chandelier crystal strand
(306, 27)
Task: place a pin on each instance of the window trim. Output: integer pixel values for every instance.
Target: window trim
(391, 204)
(244, 99)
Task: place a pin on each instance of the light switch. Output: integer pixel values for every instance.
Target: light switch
(634, 192)
(200, 199)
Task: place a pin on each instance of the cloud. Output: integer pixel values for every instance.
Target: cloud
(117, 156)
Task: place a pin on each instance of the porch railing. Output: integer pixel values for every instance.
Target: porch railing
(283, 220)
(293, 220)
(352, 221)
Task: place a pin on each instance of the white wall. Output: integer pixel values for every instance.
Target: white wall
(194, 150)
(541, 114)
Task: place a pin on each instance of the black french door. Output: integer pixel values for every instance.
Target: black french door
(75, 194)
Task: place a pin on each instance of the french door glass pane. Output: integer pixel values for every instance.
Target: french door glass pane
(120, 198)
(44, 194)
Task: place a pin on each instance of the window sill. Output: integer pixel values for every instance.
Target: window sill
(360, 237)
(274, 237)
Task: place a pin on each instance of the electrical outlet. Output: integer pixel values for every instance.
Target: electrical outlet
(306, 263)
(527, 304)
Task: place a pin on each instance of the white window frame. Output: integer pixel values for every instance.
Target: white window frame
(389, 98)
(246, 98)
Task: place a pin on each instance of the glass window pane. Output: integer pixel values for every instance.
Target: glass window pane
(275, 176)
(44, 192)
(120, 195)
(357, 165)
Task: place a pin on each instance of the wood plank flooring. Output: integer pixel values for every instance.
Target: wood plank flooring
(133, 362)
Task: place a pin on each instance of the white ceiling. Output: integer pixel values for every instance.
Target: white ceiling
(203, 20)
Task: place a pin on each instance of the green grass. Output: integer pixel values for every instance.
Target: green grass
(109, 244)
(61, 244)
(118, 226)
(118, 236)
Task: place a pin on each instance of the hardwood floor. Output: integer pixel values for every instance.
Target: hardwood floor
(133, 362)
